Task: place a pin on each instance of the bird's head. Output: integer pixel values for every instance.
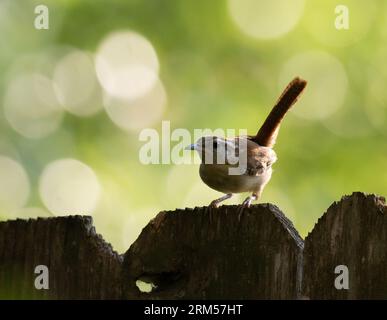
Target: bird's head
(215, 150)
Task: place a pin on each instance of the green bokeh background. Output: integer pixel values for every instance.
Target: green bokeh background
(215, 76)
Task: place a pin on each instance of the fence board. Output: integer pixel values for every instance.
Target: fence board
(353, 233)
(204, 253)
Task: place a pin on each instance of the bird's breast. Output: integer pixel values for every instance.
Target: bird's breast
(218, 177)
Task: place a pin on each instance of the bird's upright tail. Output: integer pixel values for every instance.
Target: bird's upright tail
(267, 134)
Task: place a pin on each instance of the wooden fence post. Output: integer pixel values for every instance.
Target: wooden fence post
(206, 253)
(352, 233)
(80, 263)
(192, 253)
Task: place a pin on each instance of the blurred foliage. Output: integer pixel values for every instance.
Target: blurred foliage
(215, 76)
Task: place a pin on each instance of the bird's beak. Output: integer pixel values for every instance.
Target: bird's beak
(192, 147)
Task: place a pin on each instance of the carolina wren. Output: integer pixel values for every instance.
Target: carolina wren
(244, 163)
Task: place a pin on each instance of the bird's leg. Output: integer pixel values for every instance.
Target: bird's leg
(216, 202)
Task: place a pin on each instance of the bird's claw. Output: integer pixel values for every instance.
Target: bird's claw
(245, 204)
(214, 204)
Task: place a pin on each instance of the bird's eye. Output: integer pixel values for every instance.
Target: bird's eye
(215, 144)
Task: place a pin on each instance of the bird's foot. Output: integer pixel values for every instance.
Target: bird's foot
(248, 201)
(246, 204)
(215, 203)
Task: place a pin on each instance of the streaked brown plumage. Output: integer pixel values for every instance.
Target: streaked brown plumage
(248, 158)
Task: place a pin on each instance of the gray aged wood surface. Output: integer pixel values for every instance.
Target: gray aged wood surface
(203, 253)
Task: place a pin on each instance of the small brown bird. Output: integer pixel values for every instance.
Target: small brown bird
(244, 163)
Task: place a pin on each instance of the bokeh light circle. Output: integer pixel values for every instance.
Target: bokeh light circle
(265, 19)
(139, 113)
(14, 185)
(42, 61)
(68, 186)
(76, 84)
(126, 64)
(327, 83)
(31, 106)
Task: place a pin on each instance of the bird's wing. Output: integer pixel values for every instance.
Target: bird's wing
(258, 159)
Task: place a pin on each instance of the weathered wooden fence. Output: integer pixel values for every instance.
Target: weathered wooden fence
(204, 253)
